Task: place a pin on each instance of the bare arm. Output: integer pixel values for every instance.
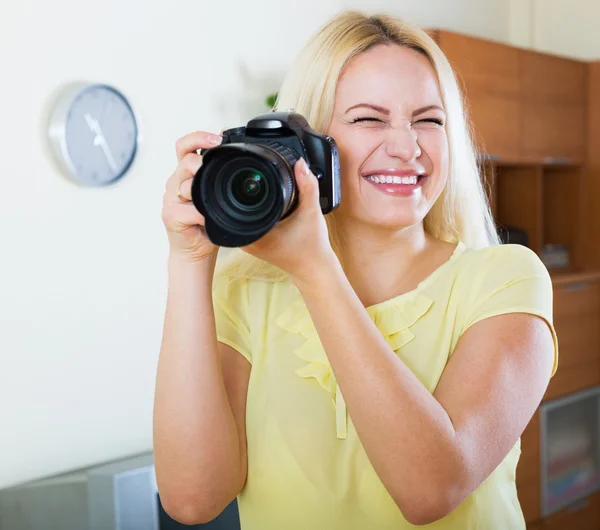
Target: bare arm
(445, 445)
(201, 386)
(199, 410)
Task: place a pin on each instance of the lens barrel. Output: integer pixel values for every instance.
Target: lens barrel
(243, 190)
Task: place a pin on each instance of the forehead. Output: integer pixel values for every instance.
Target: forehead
(389, 75)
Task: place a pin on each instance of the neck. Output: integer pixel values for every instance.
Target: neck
(382, 264)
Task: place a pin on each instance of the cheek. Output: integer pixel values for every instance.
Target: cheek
(434, 146)
(434, 143)
(353, 151)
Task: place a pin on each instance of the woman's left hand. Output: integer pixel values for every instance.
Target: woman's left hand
(299, 244)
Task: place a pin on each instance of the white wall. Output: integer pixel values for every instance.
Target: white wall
(561, 27)
(82, 274)
(521, 25)
(567, 28)
(483, 18)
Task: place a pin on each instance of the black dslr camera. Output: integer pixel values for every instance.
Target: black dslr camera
(246, 185)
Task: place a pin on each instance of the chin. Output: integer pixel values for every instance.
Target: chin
(389, 222)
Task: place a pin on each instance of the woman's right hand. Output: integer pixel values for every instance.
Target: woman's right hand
(184, 224)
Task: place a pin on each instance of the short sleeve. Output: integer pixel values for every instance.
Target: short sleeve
(231, 307)
(510, 279)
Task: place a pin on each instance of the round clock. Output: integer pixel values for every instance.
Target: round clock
(93, 133)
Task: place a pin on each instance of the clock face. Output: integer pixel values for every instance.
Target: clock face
(97, 135)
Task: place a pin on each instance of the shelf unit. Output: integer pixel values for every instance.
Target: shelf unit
(536, 122)
(569, 450)
(543, 200)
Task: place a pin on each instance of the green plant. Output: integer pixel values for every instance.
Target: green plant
(271, 100)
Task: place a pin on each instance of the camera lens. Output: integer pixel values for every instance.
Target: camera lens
(249, 187)
(243, 190)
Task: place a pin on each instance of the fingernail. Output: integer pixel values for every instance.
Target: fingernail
(214, 139)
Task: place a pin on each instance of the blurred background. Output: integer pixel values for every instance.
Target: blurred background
(83, 268)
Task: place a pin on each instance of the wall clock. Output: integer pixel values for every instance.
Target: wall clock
(93, 133)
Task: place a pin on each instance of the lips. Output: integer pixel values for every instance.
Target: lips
(399, 182)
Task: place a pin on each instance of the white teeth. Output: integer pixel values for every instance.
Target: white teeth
(388, 179)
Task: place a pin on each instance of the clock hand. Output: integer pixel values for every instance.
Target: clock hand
(91, 123)
(100, 140)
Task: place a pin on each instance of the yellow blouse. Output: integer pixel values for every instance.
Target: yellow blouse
(307, 469)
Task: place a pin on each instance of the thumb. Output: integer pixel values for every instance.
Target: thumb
(307, 183)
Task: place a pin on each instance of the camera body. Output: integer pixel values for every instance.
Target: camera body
(246, 184)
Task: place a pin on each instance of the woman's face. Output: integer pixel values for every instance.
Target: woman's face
(388, 122)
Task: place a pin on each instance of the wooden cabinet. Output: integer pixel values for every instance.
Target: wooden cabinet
(488, 73)
(577, 324)
(519, 201)
(525, 106)
(564, 194)
(538, 116)
(592, 247)
(545, 202)
(528, 470)
(554, 107)
(584, 515)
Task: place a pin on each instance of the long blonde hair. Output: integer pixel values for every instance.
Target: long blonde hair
(462, 212)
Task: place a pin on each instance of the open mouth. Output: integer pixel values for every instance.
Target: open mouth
(397, 185)
(411, 180)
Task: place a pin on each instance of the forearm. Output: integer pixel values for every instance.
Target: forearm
(408, 436)
(196, 444)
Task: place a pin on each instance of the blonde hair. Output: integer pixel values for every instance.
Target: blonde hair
(462, 212)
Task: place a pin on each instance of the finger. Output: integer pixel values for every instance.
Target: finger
(308, 185)
(186, 169)
(181, 216)
(190, 143)
(184, 191)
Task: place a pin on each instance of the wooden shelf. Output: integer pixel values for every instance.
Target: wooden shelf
(536, 121)
(573, 277)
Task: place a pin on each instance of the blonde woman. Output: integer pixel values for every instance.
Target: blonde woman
(369, 369)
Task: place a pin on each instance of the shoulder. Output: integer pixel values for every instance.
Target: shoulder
(501, 263)
(502, 279)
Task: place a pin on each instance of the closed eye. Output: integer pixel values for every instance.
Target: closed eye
(437, 121)
(357, 120)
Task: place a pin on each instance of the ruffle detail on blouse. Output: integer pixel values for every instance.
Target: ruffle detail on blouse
(393, 318)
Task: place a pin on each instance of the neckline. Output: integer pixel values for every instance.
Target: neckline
(456, 253)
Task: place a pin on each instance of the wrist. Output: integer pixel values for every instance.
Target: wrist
(319, 275)
(179, 263)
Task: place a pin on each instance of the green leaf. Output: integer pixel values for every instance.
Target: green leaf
(271, 100)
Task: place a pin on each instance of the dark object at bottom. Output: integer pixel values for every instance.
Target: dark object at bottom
(511, 235)
(228, 519)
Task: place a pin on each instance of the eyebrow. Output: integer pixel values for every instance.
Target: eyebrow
(385, 111)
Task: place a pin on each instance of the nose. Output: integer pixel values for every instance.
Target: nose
(402, 142)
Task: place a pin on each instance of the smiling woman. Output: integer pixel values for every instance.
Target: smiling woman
(402, 182)
(398, 134)
(373, 368)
